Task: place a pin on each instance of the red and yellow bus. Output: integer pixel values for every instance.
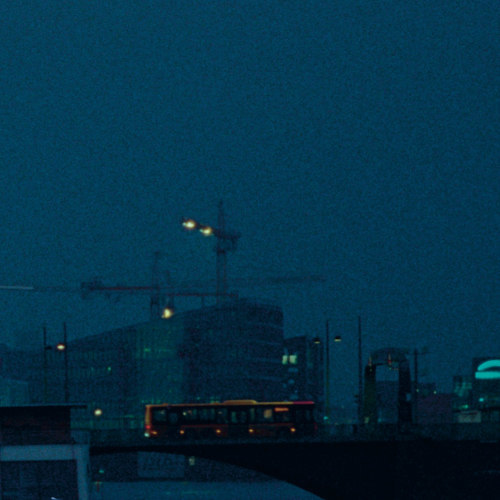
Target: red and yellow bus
(238, 418)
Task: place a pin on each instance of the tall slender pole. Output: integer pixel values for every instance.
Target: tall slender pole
(415, 391)
(327, 374)
(66, 381)
(221, 255)
(360, 374)
(44, 363)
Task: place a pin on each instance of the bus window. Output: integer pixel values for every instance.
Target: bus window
(238, 416)
(265, 415)
(190, 415)
(207, 414)
(173, 418)
(221, 417)
(281, 414)
(159, 416)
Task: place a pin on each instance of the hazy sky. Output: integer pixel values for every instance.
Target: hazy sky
(352, 139)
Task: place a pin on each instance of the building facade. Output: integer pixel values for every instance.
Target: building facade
(303, 361)
(229, 351)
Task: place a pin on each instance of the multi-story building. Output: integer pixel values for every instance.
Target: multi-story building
(303, 361)
(229, 351)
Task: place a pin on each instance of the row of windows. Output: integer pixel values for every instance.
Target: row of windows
(241, 415)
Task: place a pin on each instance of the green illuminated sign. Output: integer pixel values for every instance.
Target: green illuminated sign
(489, 370)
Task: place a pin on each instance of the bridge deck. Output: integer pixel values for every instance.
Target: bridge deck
(407, 467)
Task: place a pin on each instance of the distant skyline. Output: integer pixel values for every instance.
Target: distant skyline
(353, 140)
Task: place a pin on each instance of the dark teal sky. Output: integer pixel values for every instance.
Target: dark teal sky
(356, 140)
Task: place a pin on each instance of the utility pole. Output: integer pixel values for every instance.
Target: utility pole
(327, 369)
(44, 363)
(360, 374)
(66, 377)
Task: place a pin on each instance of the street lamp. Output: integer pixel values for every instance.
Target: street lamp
(60, 347)
(167, 312)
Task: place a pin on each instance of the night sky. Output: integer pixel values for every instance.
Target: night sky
(354, 140)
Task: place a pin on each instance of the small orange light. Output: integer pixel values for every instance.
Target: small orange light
(182, 432)
(251, 431)
(218, 431)
(292, 429)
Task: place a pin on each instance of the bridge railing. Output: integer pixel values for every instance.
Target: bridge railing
(348, 432)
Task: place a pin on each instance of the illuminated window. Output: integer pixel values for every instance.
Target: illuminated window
(265, 415)
(293, 359)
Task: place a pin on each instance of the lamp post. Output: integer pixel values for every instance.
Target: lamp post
(61, 347)
(44, 332)
(360, 374)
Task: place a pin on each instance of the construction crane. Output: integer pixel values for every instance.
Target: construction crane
(226, 242)
(162, 296)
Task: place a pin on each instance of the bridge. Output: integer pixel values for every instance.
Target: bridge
(388, 465)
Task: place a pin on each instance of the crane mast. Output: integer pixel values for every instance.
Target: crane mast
(226, 242)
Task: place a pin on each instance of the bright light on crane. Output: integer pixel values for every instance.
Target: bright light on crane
(189, 224)
(226, 242)
(206, 231)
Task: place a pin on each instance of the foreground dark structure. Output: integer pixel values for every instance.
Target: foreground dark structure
(404, 467)
(40, 456)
